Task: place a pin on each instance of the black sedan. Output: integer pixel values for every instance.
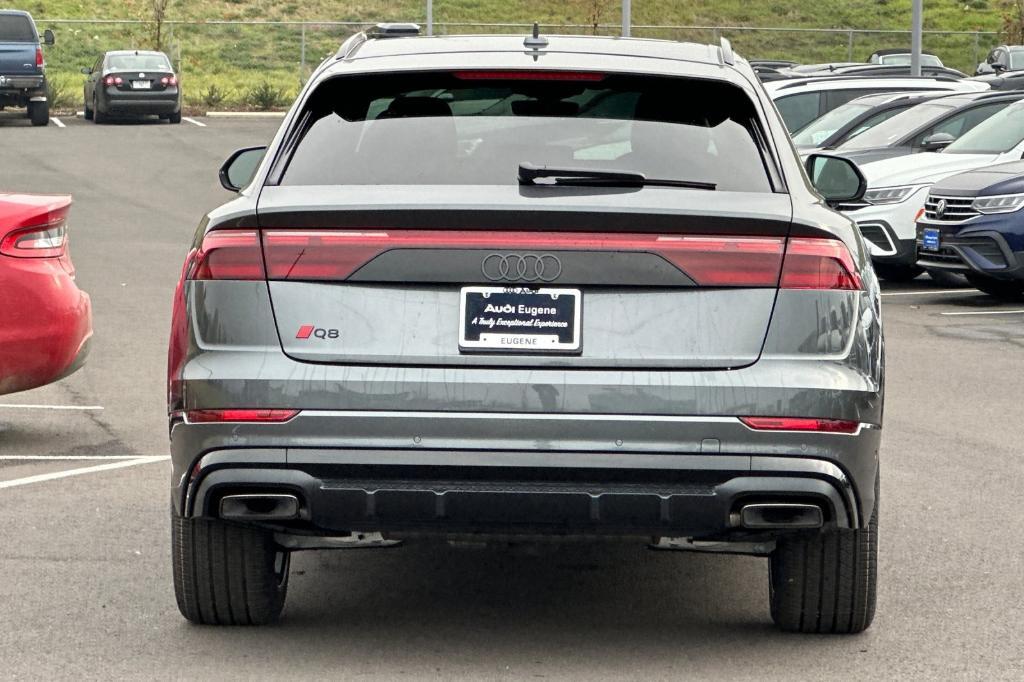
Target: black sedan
(132, 83)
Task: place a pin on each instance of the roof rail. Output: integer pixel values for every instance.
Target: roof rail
(393, 30)
(725, 53)
(798, 81)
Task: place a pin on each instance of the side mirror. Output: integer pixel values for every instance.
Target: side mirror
(837, 179)
(48, 37)
(86, 70)
(239, 169)
(937, 142)
(997, 67)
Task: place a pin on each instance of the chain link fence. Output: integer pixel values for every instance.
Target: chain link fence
(263, 64)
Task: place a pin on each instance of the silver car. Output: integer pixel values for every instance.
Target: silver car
(560, 286)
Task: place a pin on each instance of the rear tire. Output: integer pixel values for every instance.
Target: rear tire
(87, 113)
(1001, 289)
(175, 117)
(226, 574)
(897, 273)
(826, 583)
(39, 113)
(97, 115)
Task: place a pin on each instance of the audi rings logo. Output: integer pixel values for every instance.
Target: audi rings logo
(521, 267)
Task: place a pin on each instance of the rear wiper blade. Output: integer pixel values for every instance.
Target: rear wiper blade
(529, 174)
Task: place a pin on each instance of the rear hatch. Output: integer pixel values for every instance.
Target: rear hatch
(403, 230)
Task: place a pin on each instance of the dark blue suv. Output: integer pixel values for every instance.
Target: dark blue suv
(973, 224)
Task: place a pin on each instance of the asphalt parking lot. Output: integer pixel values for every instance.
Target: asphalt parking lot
(84, 542)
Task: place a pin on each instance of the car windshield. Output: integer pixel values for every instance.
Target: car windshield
(476, 128)
(823, 128)
(997, 134)
(904, 60)
(890, 132)
(138, 62)
(16, 28)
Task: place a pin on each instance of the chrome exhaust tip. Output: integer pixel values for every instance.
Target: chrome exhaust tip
(781, 516)
(259, 507)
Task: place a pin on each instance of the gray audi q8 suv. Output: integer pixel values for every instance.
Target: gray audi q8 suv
(560, 286)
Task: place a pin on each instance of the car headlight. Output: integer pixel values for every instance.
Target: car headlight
(1005, 203)
(890, 195)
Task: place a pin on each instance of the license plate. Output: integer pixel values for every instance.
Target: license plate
(141, 85)
(930, 239)
(520, 320)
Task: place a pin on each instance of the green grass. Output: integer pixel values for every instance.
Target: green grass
(237, 60)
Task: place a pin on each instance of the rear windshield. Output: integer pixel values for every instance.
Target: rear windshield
(138, 62)
(16, 28)
(475, 128)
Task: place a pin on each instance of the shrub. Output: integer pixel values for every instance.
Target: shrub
(264, 96)
(213, 96)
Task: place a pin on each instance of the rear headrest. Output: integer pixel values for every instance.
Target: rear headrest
(407, 107)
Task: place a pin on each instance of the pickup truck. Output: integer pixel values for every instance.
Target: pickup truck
(22, 66)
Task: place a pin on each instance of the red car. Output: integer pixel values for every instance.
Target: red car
(45, 320)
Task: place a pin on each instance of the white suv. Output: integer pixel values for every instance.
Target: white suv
(803, 100)
(897, 187)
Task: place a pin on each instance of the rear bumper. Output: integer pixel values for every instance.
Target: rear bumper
(116, 102)
(983, 251)
(411, 472)
(19, 83)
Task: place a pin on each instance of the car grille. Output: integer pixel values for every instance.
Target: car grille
(958, 209)
(976, 248)
(876, 234)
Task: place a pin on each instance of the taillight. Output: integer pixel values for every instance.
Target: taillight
(113, 80)
(337, 254)
(40, 62)
(228, 254)
(168, 80)
(239, 415)
(38, 241)
(801, 424)
(819, 264)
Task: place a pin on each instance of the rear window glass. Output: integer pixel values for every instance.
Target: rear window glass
(138, 62)
(16, 28)
(465, 129)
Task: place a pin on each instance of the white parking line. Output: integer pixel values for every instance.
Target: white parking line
(57, 122)
(85, 408)
(193, 121)
(42, 478)
(933, 292)
(985, 312)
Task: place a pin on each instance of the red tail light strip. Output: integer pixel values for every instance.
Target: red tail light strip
(229, 254)
(801, 424)
(238, 415)
(819, 264)
(335, 255)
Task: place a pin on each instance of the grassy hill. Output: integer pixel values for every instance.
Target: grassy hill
(261, 66)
